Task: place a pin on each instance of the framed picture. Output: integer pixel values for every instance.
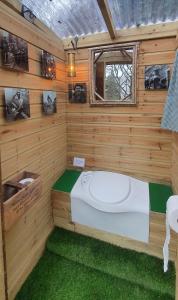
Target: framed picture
(157, 77)
(27, 14)
(16, 104)
(48, 66)
(78, 93)
(49, 102)
(14, 52)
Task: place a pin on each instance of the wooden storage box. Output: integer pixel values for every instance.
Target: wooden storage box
(18, 197)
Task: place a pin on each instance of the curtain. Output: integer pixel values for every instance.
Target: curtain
(170, 115)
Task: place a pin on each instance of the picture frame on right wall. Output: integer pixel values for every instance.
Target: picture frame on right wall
(77, 93)
(157, 77)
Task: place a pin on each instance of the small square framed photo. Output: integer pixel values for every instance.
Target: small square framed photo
(14, 52)
(49, 102)
(48, 65)
(77, 93)
(157, 77)
(16, 104)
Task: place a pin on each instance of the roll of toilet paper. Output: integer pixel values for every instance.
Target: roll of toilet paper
(171, 222)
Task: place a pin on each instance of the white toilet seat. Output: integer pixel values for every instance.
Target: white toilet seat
(116, 191)
(112, 202)
(112, 192)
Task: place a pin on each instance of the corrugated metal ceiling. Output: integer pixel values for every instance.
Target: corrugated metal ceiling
(69, 17)
(129, 13)
(81, 17)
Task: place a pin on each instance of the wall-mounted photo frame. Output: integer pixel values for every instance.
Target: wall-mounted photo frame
(77, 93)
(49, 102)
(16, 104)
(28, 14)
(48, 65)
(157, 77)
(14, 52)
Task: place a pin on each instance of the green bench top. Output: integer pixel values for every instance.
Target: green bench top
(159, 193)
(66, 182)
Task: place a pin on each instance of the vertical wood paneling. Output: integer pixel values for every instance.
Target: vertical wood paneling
(124, 139)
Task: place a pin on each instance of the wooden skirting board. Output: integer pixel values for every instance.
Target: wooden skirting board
(62, 218)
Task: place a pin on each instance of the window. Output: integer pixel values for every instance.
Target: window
(113, 75)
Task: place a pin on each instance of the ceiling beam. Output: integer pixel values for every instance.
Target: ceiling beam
(106, 13)
(127, 35)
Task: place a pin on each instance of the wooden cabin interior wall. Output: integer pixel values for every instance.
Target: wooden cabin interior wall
(37, 144)
(124, 139)
(2, 278)
(2, 260)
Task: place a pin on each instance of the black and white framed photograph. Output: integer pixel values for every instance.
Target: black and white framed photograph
(48, 65)
(77, 93)
(27, 14)
(14, 52)
(49, 102)
(17, 104)
(157, 77)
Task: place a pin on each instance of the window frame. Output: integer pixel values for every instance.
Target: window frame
(105, 102)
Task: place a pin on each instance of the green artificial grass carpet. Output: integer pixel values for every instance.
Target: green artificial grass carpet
(56, 278)
(130, 265)
(76, 267)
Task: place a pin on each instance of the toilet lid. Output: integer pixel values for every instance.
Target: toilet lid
(109, 187)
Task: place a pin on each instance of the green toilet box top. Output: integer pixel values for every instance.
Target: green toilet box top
(66, 182)
(159, 193)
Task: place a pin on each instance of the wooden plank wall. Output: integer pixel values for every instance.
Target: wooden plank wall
(2, 283)
(2, 259)
(37, 144)
(124, 139)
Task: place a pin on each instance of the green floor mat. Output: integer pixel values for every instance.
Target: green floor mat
(56, 278)
(128, 265)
